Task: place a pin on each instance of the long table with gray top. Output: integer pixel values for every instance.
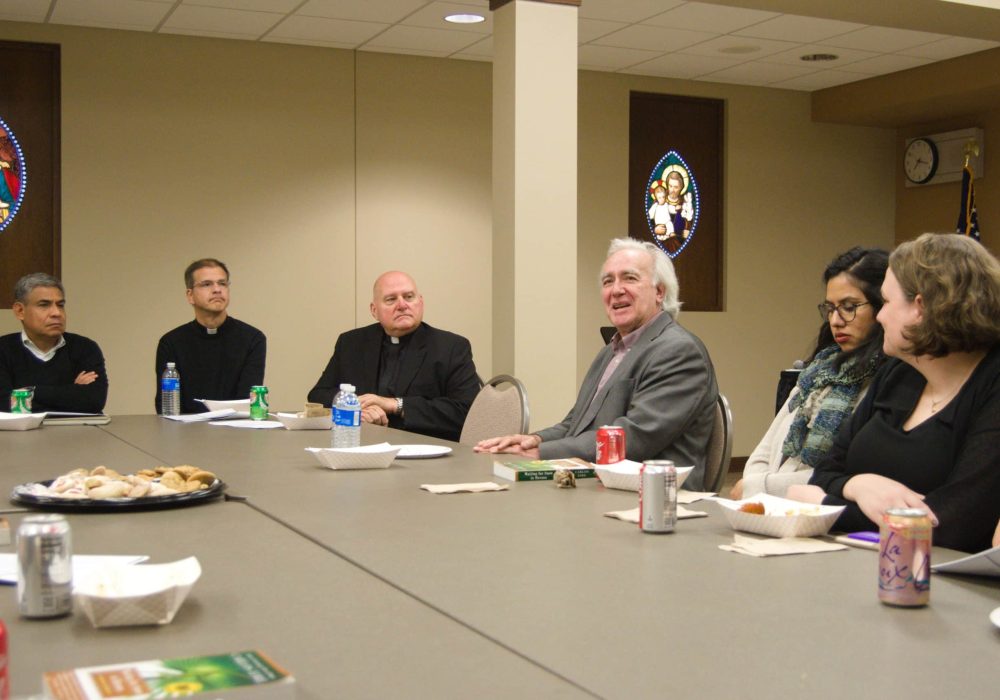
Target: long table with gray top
(590, 604)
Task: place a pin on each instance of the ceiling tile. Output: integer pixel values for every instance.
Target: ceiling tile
(282, 6)
(24, 10)
(758, 73)
(421, 39)
(481, 49)
(677, 65)
(590, 29)
(631, 11)
(115, 14)
(844, 56)
(325, 32)
(949, 48)
(640, 36)
(739, 47)
(593, 56)
(217, 21)
(889, 63)
(432, 16)
(365, 10)
(703, 17)
(799, 28)
(882, 39)
(818, 81)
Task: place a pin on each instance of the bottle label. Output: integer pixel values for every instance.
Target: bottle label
(170, 384)
(351, 417)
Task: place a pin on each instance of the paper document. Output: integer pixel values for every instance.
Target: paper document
(985, 563)
(82, 564)
(202, 417)
(247, 423)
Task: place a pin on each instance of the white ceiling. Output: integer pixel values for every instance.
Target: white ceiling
(668, 38)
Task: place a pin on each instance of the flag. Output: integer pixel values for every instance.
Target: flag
(968, 220)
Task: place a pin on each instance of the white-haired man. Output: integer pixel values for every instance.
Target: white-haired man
(655, 379)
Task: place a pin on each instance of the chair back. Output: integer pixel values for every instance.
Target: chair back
(496, 411)
(720, 446)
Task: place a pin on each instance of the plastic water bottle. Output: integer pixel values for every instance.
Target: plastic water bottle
(346, 418)
(170, 391)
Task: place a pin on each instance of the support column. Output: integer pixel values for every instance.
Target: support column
(534, 200)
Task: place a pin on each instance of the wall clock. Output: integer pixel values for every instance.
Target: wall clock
(920, 160)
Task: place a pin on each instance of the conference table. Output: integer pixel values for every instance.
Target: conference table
(364, 585)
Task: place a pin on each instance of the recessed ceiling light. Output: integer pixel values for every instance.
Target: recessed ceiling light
(745, 48)
(464, 19)
(819, 57)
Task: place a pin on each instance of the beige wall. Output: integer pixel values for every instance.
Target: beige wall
(796, 193)
(310, 174)
(176, 148)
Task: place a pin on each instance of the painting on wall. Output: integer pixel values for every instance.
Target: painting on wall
(672, 203)
(13, 175)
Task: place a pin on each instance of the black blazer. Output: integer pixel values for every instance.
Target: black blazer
(437, 378)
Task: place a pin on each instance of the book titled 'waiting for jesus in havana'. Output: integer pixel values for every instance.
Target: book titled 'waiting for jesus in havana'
(542, 469)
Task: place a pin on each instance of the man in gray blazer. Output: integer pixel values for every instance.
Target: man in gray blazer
(655, 379)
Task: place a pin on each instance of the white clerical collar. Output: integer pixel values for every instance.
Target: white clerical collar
(37, 352)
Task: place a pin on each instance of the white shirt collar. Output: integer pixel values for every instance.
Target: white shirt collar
(34, 350)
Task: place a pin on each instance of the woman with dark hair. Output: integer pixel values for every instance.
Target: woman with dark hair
(927, 435)
(847, 354)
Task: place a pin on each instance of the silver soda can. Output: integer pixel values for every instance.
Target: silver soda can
(904, 560)
(658, 496)
(44, 566)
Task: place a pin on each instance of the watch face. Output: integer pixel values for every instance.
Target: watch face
(920, 161)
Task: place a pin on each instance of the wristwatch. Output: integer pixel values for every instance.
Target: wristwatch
(399, 407)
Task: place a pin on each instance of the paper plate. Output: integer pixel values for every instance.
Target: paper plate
(421, 451)
(624, 475)
(368, 457)
(241, 406)
(294, 422)
(782, 517)
(995, 617)
(21, 421)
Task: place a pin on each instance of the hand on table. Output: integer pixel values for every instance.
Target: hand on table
(525, 445)
(876, 494)
(736, 493)
(374, 414)
(386, 404)
(806, 493)
(85, 378)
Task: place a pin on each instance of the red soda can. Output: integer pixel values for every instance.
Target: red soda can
(904, 559)
(4, 674)
(610, 444)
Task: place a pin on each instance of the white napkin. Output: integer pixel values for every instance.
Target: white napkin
(632, 516)
(464, 488)
(692, 496)
(758, 547)
(248, 423)
(201, 417)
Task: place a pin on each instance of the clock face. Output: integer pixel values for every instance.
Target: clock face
(920, 161)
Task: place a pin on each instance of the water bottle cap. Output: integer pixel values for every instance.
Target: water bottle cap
(347, 387)
(171, 365)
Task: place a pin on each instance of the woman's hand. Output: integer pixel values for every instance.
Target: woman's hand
(876, 494)
(806, 493)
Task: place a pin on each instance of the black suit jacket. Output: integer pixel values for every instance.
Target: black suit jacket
(437, 378)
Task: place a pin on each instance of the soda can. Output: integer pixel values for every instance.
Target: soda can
(658, 496)
(20, 400)
(4, 670)
(258, 403)
(610, 444)
(44, 566)
(904, 560)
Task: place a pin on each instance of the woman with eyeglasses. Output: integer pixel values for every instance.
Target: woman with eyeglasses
(927, 435)
(847, 354)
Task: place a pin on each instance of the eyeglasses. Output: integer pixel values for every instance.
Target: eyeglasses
(847, 310)
(208, 284)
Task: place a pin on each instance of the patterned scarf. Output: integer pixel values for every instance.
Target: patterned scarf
(816, 423)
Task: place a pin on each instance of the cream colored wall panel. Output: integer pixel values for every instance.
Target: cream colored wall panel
(796, 194)
(424, 194)
(177, 148)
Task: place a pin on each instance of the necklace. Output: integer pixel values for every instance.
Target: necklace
(935, 403)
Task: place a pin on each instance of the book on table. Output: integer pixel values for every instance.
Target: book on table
(541, 469)
(244, 674)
